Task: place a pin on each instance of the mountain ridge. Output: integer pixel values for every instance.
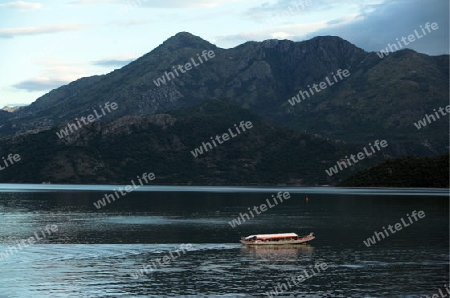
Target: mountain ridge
(380, 99)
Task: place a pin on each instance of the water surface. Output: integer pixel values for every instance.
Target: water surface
(97, 253)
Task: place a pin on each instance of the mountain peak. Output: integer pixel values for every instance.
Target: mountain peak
(330, 40)
(187, 40)
(185, 34)
(332, 44)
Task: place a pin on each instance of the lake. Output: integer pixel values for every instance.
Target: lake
(55, 243)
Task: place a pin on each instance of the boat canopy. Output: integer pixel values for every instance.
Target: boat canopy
(271, 236)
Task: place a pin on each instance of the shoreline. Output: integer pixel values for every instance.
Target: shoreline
(309, 190)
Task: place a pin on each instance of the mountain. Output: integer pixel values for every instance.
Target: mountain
(116, 151)
(381, 98)
(162, 115)
(408, 171)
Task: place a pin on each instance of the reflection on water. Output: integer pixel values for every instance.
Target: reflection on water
(94, 253)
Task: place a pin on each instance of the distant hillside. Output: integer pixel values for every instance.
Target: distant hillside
(117, 151)
(404, 172)
(381, 98)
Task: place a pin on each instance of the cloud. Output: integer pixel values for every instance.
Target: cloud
(372, 24)
(22, 5)
(37, 30)
(55, 74)
(374, 29)
(40, 84)
(118, 62)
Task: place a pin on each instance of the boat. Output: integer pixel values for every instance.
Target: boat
(276, 239)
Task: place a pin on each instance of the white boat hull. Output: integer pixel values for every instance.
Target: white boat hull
(302, 240)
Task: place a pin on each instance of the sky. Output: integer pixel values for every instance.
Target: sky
(47, 44)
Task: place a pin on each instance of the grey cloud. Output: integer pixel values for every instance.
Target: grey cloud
(38, 85)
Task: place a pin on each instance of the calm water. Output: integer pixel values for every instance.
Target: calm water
(97, 253)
